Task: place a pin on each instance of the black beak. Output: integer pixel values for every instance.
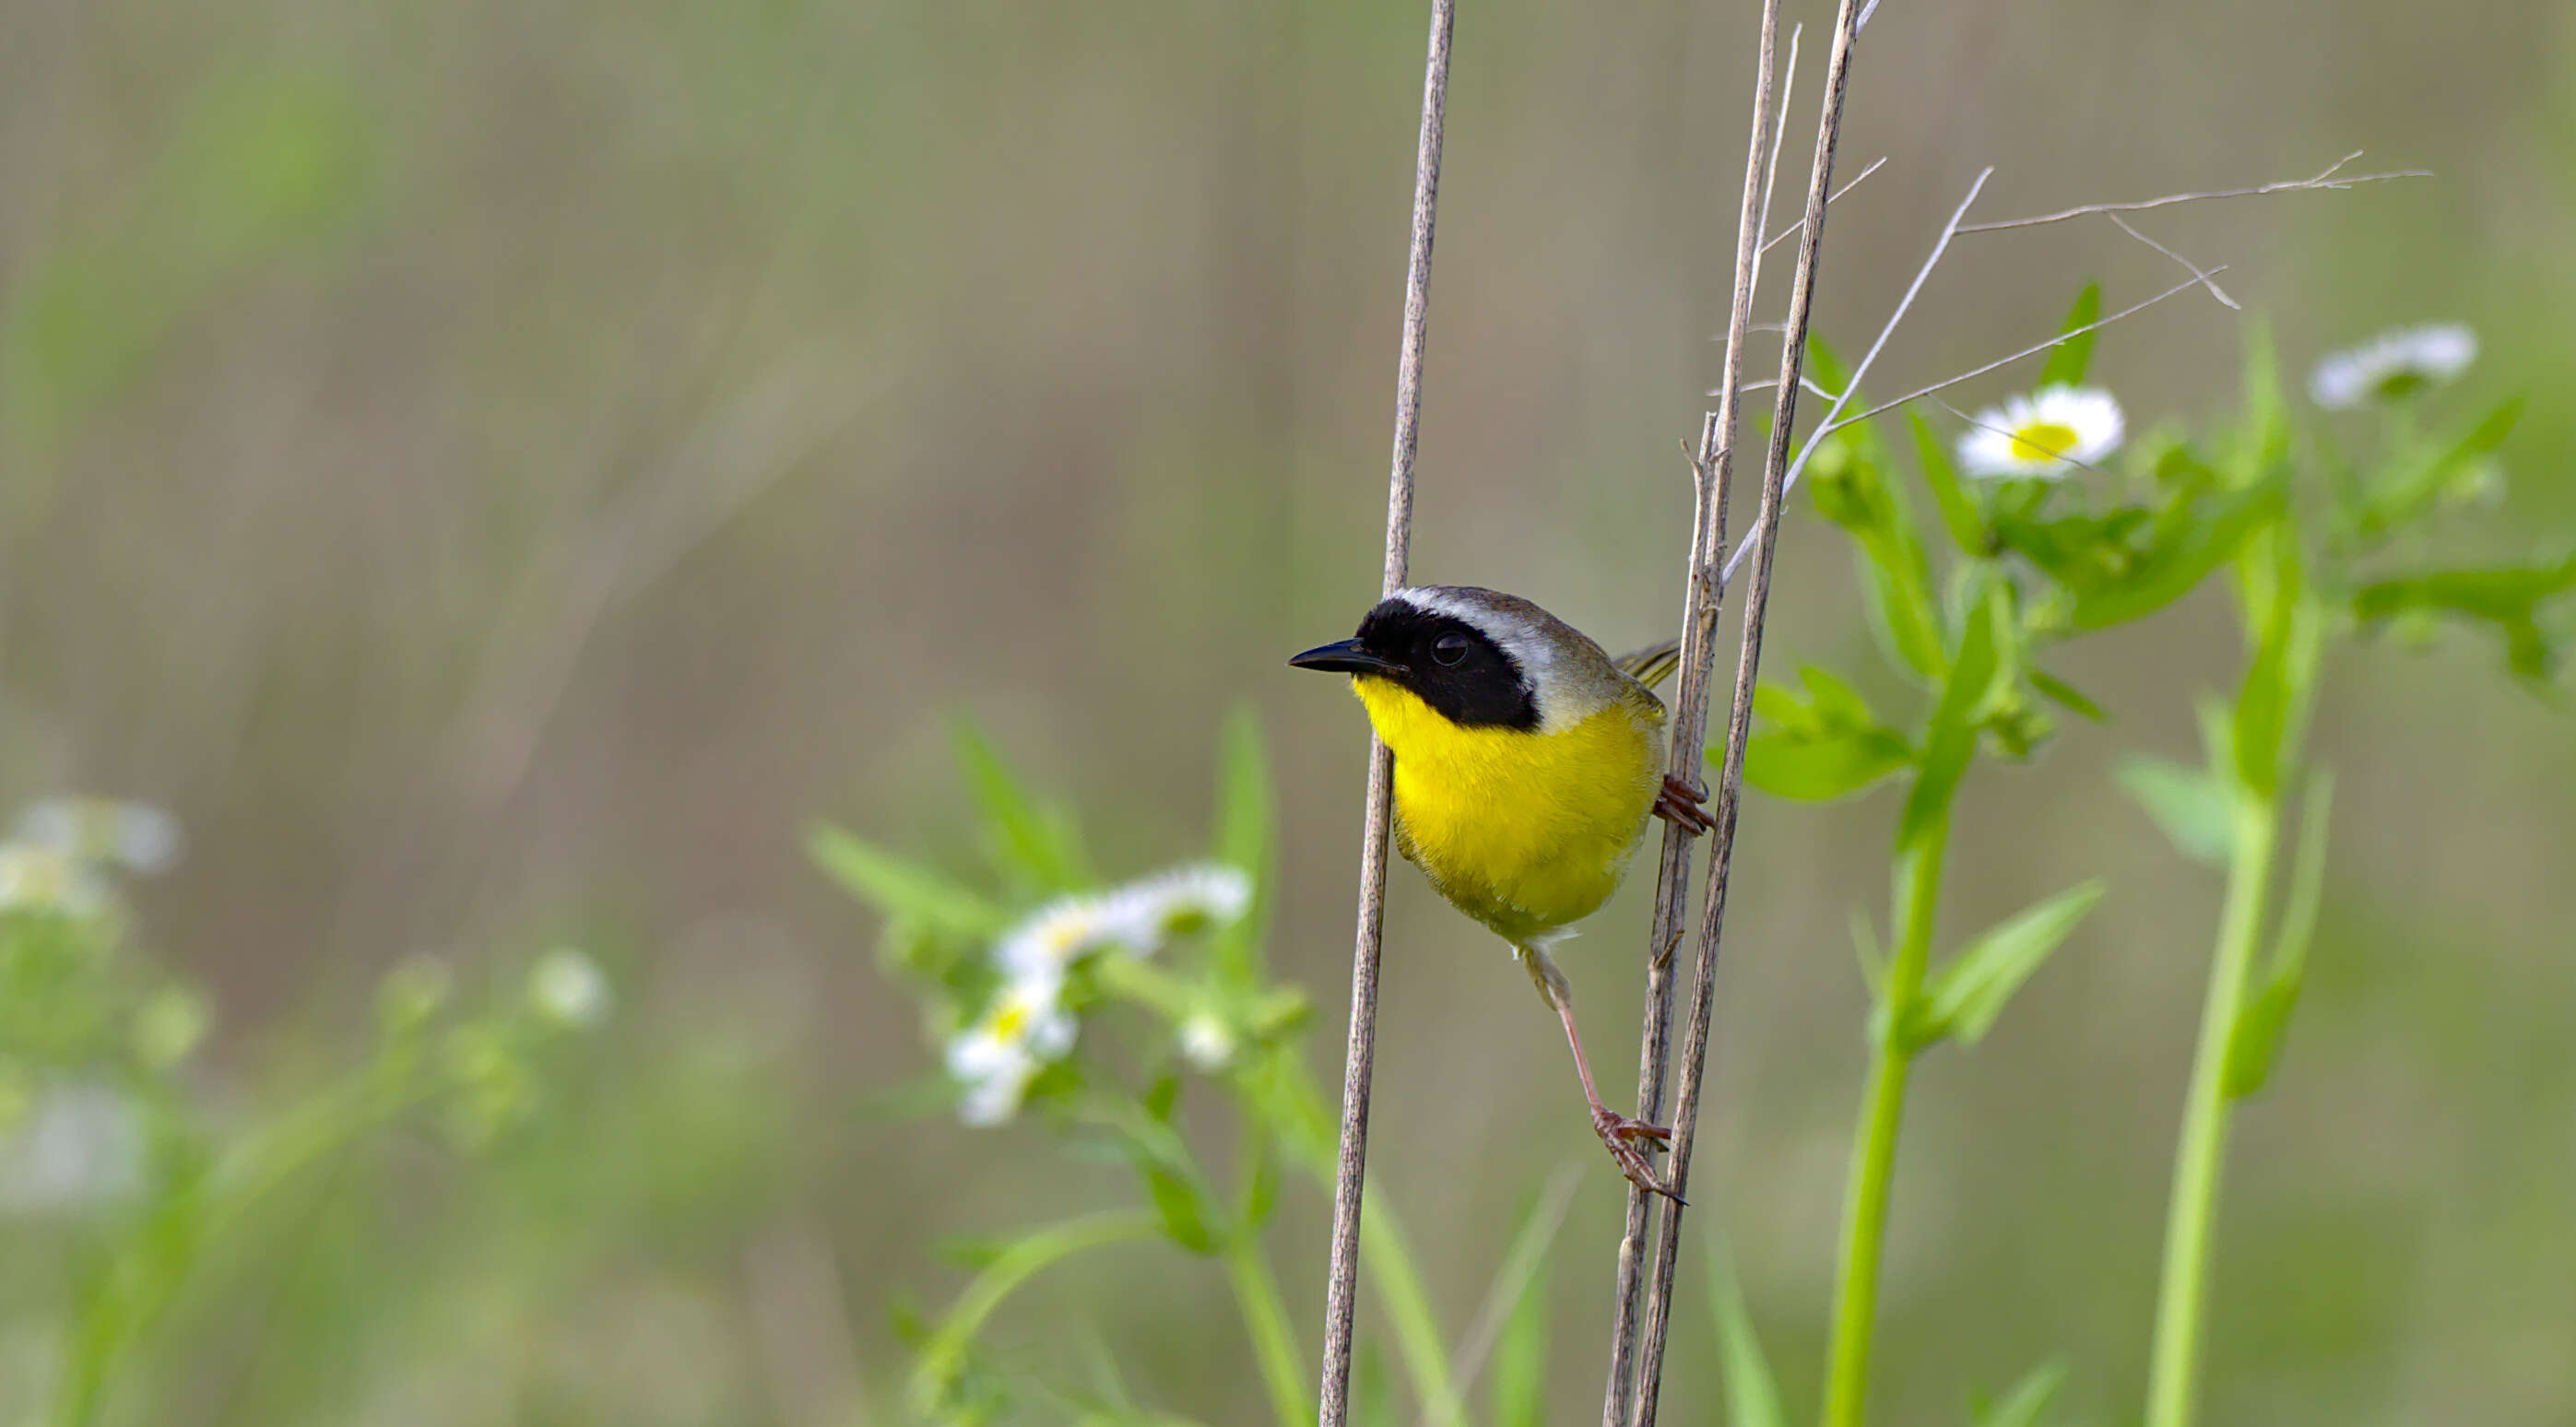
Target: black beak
(1343, 657)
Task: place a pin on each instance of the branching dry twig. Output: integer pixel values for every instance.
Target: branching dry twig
(2194, 268)
(2330, 177)
(2034, 349)
(1800, 226)
(1712, 469)
(1342, 1285)
(2326, 178)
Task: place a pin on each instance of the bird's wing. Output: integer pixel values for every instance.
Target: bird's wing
(1649, 665)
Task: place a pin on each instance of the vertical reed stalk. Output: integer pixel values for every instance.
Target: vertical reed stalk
(1341, 1287)
(1757, 597)
(1703, 596)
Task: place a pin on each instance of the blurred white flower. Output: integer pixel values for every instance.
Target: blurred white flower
(137, 836)
(1058, 935)
(1136, 918)
(37, 877)
(2393, 365)
(78, 1145)
(1207, 1042)
(1183, 900)
(567, 987)
(1025, 1029)
(2044, 433)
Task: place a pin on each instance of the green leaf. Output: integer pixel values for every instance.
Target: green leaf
(1818, 771)
(1752, 1393)
(2021, 1404)
(2066, 695)
(1873, 960)
(2179, 561)
(2265, 444)
(904, 889)
(1246, 819)
(1967, 995)
(1950, 740)
(1517, 1394)
(1959, 514)
(2284, 664)
(1372, 1391)
(2188, 805)
(1160, 1157)
(1902, 611)
(2068, 361)
(1850, 485)
(2508, 598)
(1034, 843)
(2398, 500)
(2254, 1042)
(1830, 745)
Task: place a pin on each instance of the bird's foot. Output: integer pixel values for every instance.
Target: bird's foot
(1629, 1140)
(1682, 805)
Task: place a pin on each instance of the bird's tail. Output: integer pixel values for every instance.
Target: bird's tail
(1649, 665)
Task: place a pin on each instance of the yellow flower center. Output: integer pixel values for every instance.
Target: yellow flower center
(1010, 1021)
(2042, 441)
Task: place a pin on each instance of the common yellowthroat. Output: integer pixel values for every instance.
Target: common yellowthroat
(1527, 762)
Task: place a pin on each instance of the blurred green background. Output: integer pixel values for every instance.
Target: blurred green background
(498, 471)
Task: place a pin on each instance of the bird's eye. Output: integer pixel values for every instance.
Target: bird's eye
(1449, 648)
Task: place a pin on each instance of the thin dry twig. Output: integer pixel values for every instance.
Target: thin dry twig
(1757, 595)
(1342, 1284)
(1712, 471)
(2329, 177)
(1800, 226)
(1922, 275)
(1829, 427)
(2193, 268)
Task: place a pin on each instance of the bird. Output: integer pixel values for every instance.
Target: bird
(1527, 764)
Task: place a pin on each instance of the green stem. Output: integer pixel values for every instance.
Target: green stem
(1873, 1161)
(1274, 1344)
(2182, 1296)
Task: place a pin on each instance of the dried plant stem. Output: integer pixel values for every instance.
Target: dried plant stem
(1757, 597)
(1341, 1287)
(2329, 177)
(1712, 469)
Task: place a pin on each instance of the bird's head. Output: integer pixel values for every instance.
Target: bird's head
(1471, 655)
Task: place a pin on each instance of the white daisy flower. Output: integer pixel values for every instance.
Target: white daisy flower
(2393, 366)
(76, 1146)
(1060, 934)
(102, 830)
(36, 877)
(567, 987)
(2045, 433)
(1207, 1042)
(1025, 1029)
(1184, 900)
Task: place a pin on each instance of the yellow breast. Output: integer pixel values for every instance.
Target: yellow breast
(1525, 832)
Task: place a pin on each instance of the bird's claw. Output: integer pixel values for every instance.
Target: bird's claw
(1629, 1140)
(1680, 804)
